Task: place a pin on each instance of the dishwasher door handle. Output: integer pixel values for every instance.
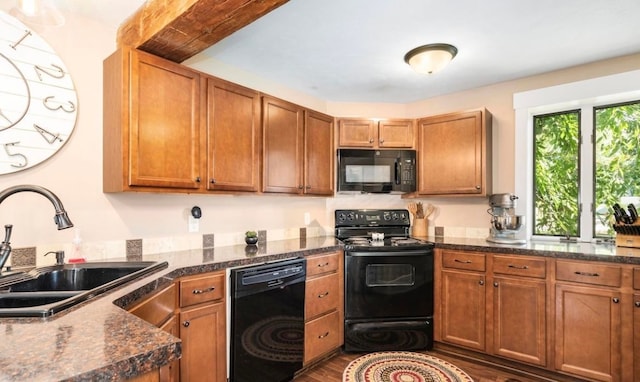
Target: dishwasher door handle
(275, 283)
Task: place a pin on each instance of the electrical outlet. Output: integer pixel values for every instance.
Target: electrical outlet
(194, 224)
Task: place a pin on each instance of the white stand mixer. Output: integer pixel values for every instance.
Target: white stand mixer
(505, 224)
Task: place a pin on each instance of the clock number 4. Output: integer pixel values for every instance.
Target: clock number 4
(8, 147)
(48, 136)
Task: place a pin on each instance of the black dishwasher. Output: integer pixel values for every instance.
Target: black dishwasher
(267, 321)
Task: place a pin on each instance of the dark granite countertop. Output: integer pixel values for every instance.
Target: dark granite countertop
(563, 250)
(99, 340)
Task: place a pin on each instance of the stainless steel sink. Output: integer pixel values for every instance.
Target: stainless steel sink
(45, 291)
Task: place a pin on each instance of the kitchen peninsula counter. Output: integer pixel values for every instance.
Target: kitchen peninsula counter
(99, 340)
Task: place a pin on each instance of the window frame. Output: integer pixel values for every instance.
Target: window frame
(584, 95)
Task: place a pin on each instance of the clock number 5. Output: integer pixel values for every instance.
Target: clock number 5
(7, 148)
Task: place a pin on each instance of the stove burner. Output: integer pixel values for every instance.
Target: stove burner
(404, 241)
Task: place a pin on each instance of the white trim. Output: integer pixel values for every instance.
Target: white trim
(575, 95)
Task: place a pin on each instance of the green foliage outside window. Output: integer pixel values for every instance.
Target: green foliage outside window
(556, 177)
(617, 151)
(557, 167)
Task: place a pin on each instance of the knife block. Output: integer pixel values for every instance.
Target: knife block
(627, 235)
(419, 227)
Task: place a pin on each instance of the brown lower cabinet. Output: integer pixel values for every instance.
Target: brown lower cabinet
(568, 318)
(324, 300)
(193, 309)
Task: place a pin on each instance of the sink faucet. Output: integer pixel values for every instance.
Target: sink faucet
(61, 219)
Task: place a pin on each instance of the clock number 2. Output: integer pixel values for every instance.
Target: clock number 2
(7, 148)
(54, 71)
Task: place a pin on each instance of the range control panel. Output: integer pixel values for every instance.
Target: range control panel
(372, 218)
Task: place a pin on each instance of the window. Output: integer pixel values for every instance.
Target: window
(556, 147)
(556, 174)
(577, 152)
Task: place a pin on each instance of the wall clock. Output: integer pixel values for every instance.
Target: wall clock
(38, 102)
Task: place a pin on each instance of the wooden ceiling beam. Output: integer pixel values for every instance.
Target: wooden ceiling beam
(179, 29)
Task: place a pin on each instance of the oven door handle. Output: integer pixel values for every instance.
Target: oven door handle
(369, 326)
(396, 253)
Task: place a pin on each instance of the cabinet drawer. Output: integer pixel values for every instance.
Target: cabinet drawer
(520, 266)
(636, 278)
(588, 273)
(463, 260)
(321, 336)
(321, 295)
(158, 308)
(203, 288)
(323, 263)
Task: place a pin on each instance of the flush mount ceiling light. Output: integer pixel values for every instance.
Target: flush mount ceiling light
(430, 58)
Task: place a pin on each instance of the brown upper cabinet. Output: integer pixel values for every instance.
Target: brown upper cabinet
(151, 123)
(367, 133)
(454, 154)
(233, 137)
(297, 149)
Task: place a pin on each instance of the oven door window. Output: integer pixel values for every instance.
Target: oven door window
(390, 275)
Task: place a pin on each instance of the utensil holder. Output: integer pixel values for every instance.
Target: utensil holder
(419, 227)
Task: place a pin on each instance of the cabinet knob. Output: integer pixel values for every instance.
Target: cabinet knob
(637, 304)
(495, 284)
(308, 187)
(213, 181)
(478, 187)
(481, 282)
(370, 140)
(300, 187)
(616, 300)
(381, 141)
(186, 324)
(198, 179)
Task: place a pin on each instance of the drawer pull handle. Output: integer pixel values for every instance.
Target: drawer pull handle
(586, 274)
(323, 335)
(201, 291)
(323, 295)
(462, 261)
(518, 267)
(323, 265)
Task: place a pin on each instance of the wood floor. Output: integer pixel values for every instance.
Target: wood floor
(331, 370)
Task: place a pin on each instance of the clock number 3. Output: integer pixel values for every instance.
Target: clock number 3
(7, 148)
(51, 104)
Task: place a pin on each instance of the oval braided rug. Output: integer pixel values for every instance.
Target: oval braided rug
(400, 366)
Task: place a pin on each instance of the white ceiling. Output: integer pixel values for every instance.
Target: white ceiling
(353, 50)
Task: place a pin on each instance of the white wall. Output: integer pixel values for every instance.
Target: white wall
(75, 172)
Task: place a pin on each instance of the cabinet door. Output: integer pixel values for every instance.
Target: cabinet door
(636, 336)
(463, 309)
(395, 133)
(233, 137)
(282, 131)
(519, 317)
(171, 372)
(454, 152)
(318, 149)
(164, 134)
(357, 133)
(588, 332)
(203, 331)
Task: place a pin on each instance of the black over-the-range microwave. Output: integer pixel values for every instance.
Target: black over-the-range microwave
(376, 171)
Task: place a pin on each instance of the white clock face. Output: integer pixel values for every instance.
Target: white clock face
(38, 102)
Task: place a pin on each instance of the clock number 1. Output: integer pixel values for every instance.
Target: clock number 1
(7, 147)
(27, 33)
